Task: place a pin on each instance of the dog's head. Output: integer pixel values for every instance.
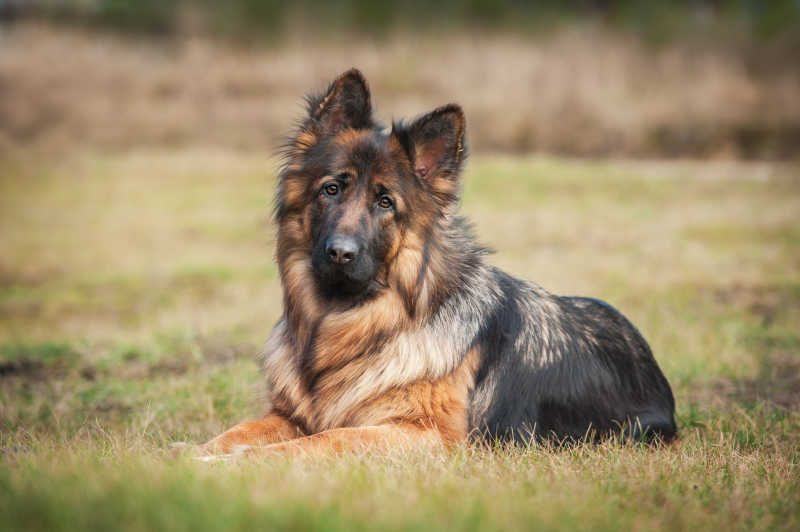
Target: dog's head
(352, 195)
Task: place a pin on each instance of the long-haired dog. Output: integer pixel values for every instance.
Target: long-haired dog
(395, 331)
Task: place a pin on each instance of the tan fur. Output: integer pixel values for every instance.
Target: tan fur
(271, 429)
(350, 221)
(349, 137)
(440, 405)
(423, 411)
(294, 190)
(382, 438)
(305, 140)
(405, 271)
(349, 333)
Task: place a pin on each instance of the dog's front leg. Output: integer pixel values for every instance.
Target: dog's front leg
(270, 429)
(377, 438)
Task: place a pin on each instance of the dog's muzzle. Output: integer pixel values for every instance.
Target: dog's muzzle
(341, 249)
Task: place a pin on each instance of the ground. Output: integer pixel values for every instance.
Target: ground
(137, 287)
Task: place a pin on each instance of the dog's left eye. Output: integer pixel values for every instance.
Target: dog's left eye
(385, 202)
(331, 189)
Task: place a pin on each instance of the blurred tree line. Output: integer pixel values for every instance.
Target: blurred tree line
(656, 21)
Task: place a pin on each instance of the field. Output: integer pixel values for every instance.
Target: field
(136, 288)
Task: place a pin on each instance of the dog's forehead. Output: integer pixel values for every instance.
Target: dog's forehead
(371, 153)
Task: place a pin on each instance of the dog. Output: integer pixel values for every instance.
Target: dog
(396, 332)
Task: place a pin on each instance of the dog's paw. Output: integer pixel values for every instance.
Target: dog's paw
(238, 451)
(180, 449)
(211, 458)
(208, 452)
(194, 450)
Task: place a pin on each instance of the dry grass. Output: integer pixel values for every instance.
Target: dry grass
(136, 288)
(577, 91)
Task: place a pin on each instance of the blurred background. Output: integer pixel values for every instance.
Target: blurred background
(689, 78)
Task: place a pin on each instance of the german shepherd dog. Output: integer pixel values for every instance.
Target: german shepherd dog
(396, 332)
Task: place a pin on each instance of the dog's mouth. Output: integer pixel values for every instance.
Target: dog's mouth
(349, 282)
(338, 285)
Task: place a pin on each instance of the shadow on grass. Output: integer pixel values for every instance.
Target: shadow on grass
(46, 360)
(776, 384)
(772, 341)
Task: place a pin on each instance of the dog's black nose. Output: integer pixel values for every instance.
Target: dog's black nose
(341, 249)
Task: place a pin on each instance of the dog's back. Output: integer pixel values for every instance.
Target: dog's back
(565, 368)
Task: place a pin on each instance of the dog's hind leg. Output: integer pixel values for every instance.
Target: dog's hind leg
(376, 438)
(270, 429)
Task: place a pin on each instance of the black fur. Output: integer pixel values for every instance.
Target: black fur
(603, 379)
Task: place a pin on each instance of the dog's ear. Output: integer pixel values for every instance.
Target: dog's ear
(346, 104)
(435, 147)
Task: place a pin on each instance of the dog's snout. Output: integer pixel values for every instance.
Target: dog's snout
(341, 249)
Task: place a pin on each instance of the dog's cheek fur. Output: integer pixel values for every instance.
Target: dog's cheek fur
(407, 273)
(301, 304)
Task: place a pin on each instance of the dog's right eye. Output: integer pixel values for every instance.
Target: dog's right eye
(331, 189)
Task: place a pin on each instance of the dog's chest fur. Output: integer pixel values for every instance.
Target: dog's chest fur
(369, 370)
(411, 372)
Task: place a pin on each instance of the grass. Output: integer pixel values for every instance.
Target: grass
(136, 288)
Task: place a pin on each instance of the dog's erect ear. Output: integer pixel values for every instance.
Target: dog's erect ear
(346, 104)
(435, 146)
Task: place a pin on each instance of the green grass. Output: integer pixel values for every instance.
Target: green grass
(136, 289)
